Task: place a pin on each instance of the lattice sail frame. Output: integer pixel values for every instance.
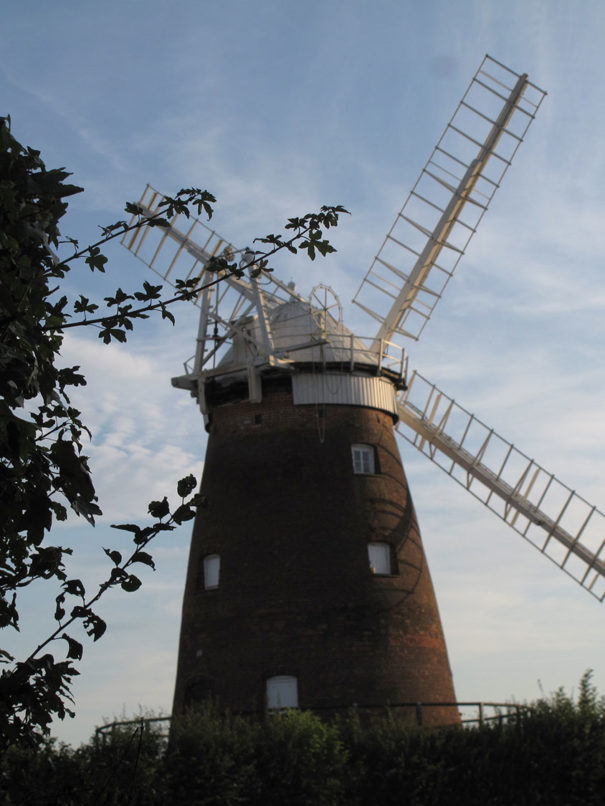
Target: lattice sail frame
(438, 219)
(236, 312)
(550, 515)
(185, 247)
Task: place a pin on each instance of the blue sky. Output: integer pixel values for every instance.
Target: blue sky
(278, 107)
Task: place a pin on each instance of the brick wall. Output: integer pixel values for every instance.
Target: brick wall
(291, 522)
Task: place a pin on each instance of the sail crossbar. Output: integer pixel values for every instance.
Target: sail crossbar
(551, 516)
(172, 247)
(183, 250)
(449, 199)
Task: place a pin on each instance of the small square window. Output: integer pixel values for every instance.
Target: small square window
(363, 459)
(212, 570)
(379, 555)
(282, 692)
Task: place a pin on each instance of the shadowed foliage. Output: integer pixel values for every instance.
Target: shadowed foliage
(553, 754)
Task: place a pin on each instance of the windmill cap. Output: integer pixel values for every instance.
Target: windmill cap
(302, 334)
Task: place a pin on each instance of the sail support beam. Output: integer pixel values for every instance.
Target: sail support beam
(551, 516)
(449, 199)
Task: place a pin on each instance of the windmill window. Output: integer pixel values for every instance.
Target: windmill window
(363, 459)
(212, 571)
(380, 558)
(282, 692)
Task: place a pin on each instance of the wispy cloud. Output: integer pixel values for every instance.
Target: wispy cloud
(143, 430)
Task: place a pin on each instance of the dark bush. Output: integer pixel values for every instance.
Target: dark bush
(555, 755)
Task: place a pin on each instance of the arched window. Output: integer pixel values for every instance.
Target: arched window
(363, 459)
(282, 692)
(380, 557)
(212, 571)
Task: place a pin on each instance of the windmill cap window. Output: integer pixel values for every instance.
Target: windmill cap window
(364, 461)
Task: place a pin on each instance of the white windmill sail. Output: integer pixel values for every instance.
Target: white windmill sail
(182, 251)
(431, 232)
(549, 514)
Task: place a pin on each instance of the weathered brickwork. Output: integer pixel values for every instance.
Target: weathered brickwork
(291, 522)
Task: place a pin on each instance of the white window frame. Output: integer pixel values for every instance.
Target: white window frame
(212, 571)
(380, 557)
(282, 692)
(364, 460)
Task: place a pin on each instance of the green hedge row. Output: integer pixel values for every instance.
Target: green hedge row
(555, 756)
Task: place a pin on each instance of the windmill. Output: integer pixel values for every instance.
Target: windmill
(307, 581)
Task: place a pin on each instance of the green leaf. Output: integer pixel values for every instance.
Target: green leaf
(159, 509)
(131, 583)
(83, 305)
(143, 557)
(94, 625)
(186, 485)
(127, 527)
(166, 314)
(117, 575)
(114, 556)
(59, 609)
(74, 587)
(183, 513)
(75, 648)
(109, 333)
(133, 208)
(95, 259)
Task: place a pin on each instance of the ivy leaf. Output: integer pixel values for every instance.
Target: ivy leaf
(150, 292)
(84, 305)
(109, 333)
(96, 260)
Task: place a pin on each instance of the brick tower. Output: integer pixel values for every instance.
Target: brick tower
(307, 581)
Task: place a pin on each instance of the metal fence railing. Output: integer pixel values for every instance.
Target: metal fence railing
(468, 714)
